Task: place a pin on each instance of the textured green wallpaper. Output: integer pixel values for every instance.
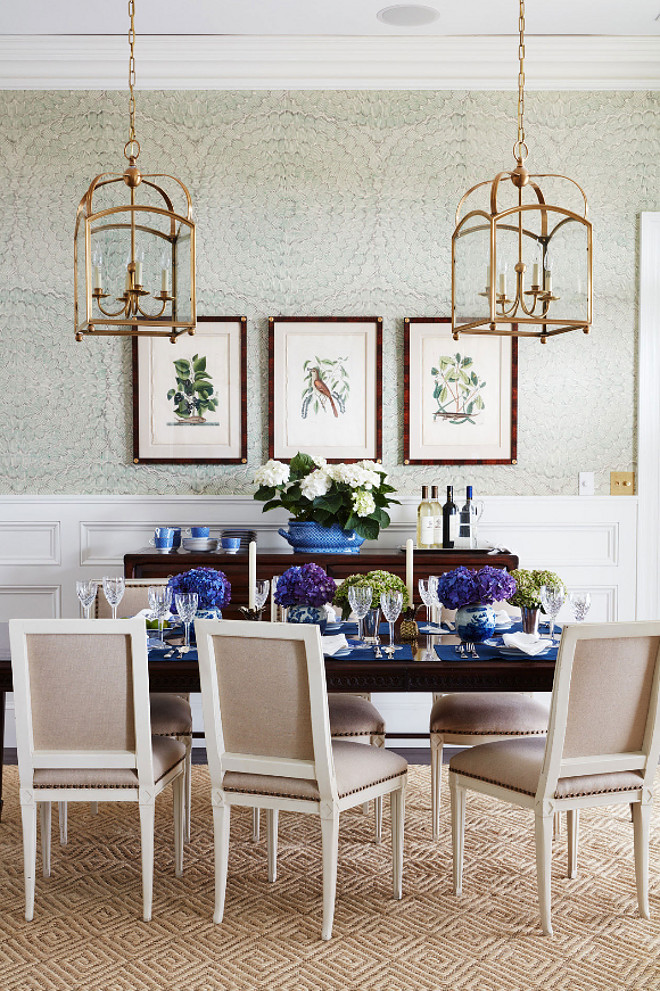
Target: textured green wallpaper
(312, 203)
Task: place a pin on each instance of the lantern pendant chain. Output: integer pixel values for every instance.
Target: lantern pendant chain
(520, 150)
(131, 74)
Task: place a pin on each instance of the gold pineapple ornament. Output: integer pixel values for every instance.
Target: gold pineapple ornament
(409, 629)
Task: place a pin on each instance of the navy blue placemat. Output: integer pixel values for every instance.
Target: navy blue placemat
(349, 627)
(487, 652)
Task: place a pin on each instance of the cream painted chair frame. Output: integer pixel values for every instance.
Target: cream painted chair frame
(185, 738)
(438, 740)
(320, 769)
(555, 766)
(141, 759)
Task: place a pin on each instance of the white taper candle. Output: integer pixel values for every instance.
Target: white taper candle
(409, 569)
(252, 574)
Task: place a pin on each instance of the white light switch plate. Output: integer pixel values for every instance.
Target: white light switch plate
(586, 483)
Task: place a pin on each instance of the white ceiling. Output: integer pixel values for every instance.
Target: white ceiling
(325, 17)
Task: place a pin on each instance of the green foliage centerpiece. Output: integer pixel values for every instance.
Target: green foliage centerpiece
(528, 594)
(380, 581)
(334, 507)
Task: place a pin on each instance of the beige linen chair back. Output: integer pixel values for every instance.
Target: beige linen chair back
(81, 695)
(134, 599)
(264, 697)
(599, 674)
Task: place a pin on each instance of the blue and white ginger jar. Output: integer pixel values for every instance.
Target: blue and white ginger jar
(475, 622)
(307, 614)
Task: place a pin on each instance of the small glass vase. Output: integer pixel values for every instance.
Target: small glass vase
(370, 625)
(529, 616)
(475, 622)
(307, 614)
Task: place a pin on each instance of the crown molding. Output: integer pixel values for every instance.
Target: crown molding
(329, 62)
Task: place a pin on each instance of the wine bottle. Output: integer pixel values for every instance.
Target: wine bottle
(437, 510)
(425, 520)
(465, 527)
(450, 520)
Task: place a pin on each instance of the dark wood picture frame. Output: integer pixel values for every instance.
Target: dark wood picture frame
(242, 457)
(512, 459)
(378, 395)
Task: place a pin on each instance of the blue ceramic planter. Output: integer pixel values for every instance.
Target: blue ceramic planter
(307, 614)
(475, 623)
(307, 537)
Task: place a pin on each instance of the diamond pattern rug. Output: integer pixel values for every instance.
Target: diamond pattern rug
(87, 934)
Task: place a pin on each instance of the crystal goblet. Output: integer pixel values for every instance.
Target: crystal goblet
(580, 604)
(552, 599)
(160, 600)
(186, 606)
(391, 603)
(86, 592)
(113, 589)
(261, 590)
(359, 598)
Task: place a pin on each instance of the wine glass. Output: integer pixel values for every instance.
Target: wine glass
(186, 606)
(86, 592)
(359, 598)
(391, 603)
(113, 589)
(160, 600)
(552, 599)
(261, 590)
(425, 586)
(580, 604)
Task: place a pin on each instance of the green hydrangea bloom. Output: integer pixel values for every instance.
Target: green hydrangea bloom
(529, 583)
(380, 581)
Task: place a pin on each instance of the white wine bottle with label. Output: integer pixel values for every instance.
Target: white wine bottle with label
(437, 509)
(425, 521)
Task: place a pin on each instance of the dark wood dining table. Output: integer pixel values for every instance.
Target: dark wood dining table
(426, 672)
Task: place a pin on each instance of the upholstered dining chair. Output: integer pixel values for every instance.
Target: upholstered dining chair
(467, 718)
(83, 733)
(353, 717)
(268, 741)
(602, 748)
(170, 713)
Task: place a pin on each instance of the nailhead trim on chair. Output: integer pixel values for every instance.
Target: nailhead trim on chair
(98, 787)
(523, 791)
(276, 794)
(491, 732)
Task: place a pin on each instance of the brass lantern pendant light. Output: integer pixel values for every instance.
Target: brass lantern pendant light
(522, 267)
(134, 263)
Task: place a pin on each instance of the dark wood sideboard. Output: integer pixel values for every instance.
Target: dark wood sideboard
(147, 564)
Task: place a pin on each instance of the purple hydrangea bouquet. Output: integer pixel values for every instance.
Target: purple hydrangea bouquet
(471, 593)
(304, 591)
(212, 587)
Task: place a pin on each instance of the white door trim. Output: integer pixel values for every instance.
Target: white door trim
(648, 421)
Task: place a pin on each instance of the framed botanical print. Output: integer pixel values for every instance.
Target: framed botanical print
(460, 397)
(325, 387)
(189, 398)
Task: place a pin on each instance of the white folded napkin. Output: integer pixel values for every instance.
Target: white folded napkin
(148, 614)
(502, 618)
(528, 643)
(332, 645)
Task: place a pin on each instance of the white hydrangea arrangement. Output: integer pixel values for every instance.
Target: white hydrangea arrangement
(354, 496)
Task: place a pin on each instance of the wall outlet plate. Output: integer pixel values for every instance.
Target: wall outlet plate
(586, 485)
(622, 483)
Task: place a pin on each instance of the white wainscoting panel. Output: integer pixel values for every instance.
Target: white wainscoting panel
(29, 543)
(589, 541)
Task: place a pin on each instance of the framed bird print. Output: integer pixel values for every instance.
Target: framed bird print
(189, 404)
(325, 387)
(460, 397)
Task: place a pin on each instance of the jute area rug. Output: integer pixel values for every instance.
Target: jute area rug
(88, 935)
